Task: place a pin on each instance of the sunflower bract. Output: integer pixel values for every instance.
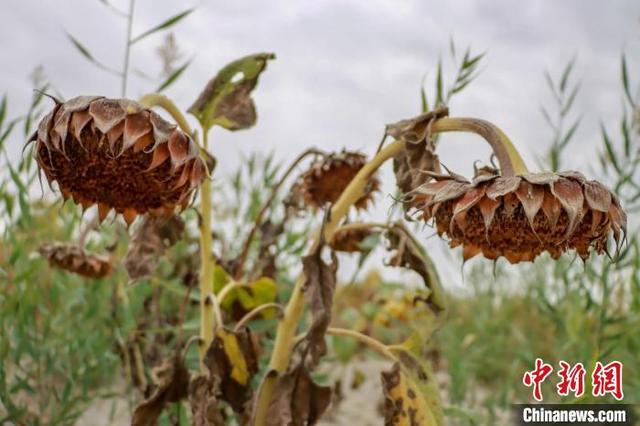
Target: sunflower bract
(519, 217)
(119, 155)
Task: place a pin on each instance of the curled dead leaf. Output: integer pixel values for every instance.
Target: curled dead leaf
(297, 399)
(318, 288)
(408, 253)
(150, 240)
(172, 381)
(415, 129)
(418, 155)
(266, 263)
(349, 239)
(226, 99)
(204, 402)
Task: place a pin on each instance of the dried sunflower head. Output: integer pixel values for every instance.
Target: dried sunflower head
(74, 259)
(328, 177)
(519, 217)
(119, 155)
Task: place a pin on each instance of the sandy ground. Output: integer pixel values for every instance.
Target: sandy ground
(107, 412)
(359, 406)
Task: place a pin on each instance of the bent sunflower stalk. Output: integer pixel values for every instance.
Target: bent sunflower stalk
(509, 159)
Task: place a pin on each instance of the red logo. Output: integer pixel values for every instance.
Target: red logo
(605, 379)
(571, 379)
(536, 377)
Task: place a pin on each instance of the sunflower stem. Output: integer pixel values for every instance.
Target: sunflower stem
(210, 315)
(228, 288)
(255, 312)
(209, 307)
(287, 326)
(151, 100)
(511, 163)
(356, 226)
(369, 341)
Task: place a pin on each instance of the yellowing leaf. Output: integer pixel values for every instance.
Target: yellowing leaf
(239, 370)
(232, 360)
(411, 393)
(251, 296)
(257, 293)
(220, 278)
(226, 100)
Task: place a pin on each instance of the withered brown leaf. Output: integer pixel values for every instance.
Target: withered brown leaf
(349, 239)
(203, 399)
(409, 254)
(318, 288)
(408, 166)
(172, 381)
(418, 156)
(297, 399)
(415, 129)
(149, 241)
(409, 397)
(226, 99)
(269, 234)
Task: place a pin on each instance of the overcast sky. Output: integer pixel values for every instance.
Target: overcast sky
(344, 68)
